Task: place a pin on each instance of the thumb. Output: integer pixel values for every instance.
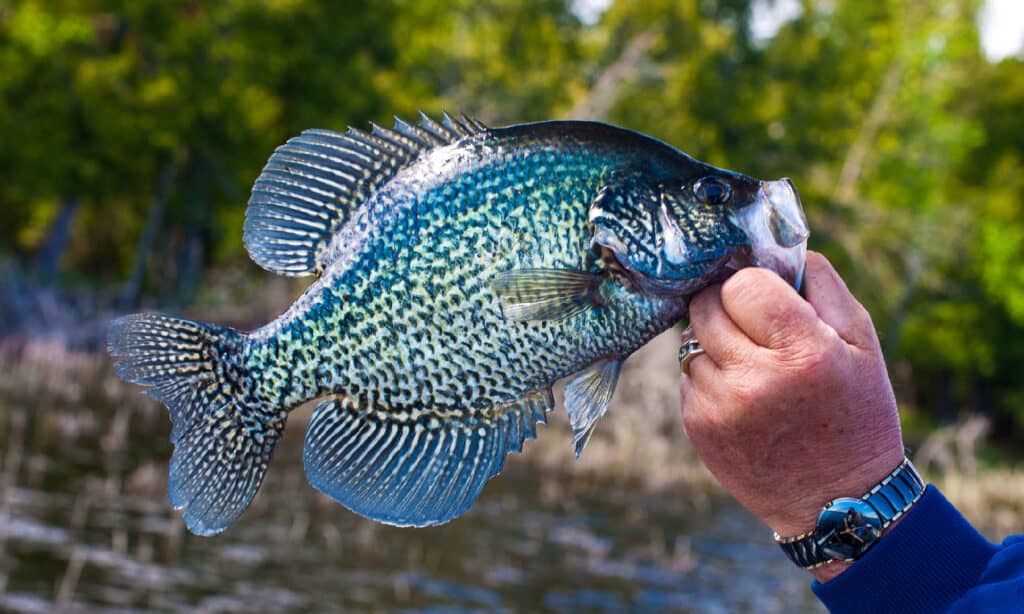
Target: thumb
(767, 309)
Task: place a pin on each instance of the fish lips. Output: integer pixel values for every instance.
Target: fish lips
(777, 229)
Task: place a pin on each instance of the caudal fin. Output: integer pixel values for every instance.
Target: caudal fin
(223, 434)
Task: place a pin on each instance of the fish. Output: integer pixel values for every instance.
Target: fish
(460, 271)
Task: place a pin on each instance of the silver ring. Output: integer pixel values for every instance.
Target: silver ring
(687, 353)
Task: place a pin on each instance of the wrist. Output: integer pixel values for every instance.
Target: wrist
(829, 571)
(800, 516)
(847, 527)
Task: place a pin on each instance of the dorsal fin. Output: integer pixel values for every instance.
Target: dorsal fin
(313, 183)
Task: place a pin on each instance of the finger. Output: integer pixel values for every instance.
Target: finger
(835, 305)
(767, 309)
(686, 364)
(723, 341)
(685, 386)
(704, 372)
(694, 389)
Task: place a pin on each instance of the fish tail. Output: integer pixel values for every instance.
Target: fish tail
(224, 433)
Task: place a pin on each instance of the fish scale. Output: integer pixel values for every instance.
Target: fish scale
(462, 271)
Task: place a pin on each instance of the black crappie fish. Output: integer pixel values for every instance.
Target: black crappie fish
(462, 271)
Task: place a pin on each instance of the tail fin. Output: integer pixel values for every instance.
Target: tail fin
(224, 436)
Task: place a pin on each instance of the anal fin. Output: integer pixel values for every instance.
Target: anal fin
(587, 396)
(416, 467)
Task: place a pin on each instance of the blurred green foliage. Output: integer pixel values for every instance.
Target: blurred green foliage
(906, 143)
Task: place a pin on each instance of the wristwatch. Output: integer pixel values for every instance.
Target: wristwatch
(848, 527)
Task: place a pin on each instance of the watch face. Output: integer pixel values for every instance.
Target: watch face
(846, 528)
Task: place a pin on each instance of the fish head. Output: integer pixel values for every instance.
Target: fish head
(676, 236)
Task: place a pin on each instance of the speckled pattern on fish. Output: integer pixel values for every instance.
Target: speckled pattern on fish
(463, 270)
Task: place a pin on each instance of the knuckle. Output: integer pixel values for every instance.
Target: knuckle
(691, 422)
(696, 419)
(781, 336)
(731, 355)
(864, 317)
(746, 389)
(817, 357)
(863, 321)
(817, 362)
(743, 373)
(787, 327)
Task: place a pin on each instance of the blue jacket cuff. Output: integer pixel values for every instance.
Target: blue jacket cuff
(925, 563)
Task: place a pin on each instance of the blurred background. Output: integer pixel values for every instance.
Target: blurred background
(131, 132)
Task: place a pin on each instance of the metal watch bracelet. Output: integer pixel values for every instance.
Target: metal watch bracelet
(847, 527)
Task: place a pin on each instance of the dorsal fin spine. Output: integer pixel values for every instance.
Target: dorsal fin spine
(402, 140)
(307, 192)
(415, 133)
(396, 139)
(370, 144)
(305, 160)
(283, 198)
(435, 128)
(346, 146)
(453, 124)
(312, 178)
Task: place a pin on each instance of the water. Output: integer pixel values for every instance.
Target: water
(81, 543)
(85, 526)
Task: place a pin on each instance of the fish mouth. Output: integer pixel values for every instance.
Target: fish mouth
(777, 228)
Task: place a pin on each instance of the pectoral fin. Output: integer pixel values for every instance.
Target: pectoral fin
(587, 396)
(546, 294)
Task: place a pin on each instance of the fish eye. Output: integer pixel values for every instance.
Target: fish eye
(712, 190)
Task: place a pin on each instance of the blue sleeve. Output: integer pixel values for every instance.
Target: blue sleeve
(1002, 583)
(933, 560)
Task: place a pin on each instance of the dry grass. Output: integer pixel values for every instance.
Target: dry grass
(990, 497)
(56, 405)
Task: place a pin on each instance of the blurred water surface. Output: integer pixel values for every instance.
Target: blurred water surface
(85, 526)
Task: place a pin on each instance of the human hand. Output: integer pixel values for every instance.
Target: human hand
(791, 405)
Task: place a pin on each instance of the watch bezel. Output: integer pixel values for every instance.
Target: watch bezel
(847, 528)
